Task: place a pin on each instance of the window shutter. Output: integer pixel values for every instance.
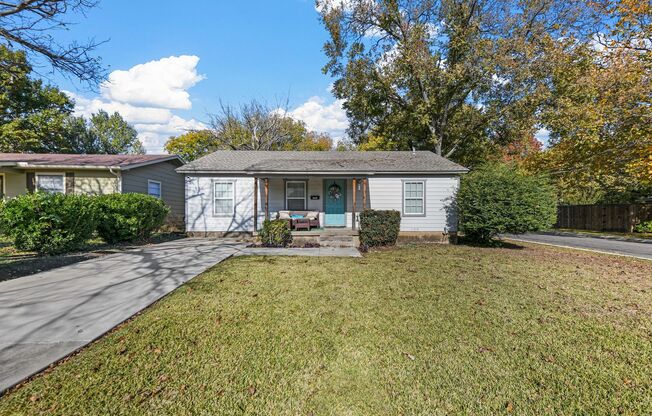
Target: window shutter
(70, 182)
(31, 181)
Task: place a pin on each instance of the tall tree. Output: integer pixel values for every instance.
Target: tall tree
(445, 75)
(33, 116)
(30, 25)
(599, 111)
(106, 133)
(252, 126)
(256, 126)
(192, 145)
(300, 138)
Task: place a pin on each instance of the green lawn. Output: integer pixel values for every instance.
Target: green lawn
(429, 329)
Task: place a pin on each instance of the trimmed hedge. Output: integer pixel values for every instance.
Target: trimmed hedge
(129, 217)
(379, 228)
(276, 233)
(49, 223)
(497, 199)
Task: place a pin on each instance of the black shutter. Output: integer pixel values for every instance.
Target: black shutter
(70, 182)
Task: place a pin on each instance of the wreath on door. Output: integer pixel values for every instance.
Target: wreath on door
(335, 192)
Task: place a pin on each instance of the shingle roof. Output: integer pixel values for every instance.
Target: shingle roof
(244, 161)
(63, 159)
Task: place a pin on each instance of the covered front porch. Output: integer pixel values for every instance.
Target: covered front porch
(327, 203)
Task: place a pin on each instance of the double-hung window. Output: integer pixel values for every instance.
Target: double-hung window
(295, 195)
(223, 198)
(414, 201)
(50, 183)
(154, 189)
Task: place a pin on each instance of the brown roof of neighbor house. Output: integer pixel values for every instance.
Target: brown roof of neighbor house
(26, 160)
(335, 162)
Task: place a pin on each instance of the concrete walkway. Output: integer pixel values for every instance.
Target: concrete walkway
(622, 248)
(46, 316)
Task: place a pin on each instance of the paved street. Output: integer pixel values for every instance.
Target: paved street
(629, 248)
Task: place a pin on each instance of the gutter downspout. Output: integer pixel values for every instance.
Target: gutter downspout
(118, 176)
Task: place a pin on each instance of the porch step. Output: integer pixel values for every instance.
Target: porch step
(339, 241)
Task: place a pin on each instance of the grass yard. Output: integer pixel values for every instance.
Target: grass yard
(428, 329)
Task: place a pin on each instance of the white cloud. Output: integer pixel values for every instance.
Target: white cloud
(133, 114)
(145, 96)
(327, 5)
(543, 135)
(161, 83)
(321, 117)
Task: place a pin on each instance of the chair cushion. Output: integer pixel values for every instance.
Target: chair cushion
(313, 215)
(284, 215)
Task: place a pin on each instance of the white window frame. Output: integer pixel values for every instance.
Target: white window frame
(38, 174)
(423, 198)
(305, 194)
(224, 214)
(160, 188)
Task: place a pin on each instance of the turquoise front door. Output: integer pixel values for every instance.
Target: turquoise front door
(334, 203)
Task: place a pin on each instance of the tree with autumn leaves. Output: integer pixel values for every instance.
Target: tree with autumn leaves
(473, 80)
(599, 112)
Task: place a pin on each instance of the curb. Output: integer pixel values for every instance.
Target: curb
(602, 237)
(612, 253)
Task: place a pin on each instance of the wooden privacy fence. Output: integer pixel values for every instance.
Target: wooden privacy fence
(608, 217)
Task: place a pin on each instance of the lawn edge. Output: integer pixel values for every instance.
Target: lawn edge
(612, 253)
(39, 373)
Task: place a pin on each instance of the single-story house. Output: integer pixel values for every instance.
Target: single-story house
(95, 175)
(232, 192)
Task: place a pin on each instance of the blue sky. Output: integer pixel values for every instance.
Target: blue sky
(175, 61)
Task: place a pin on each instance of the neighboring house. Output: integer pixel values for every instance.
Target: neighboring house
(225, 188)
(95, 175)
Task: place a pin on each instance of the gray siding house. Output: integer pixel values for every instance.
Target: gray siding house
(232, 192)
(95, 175)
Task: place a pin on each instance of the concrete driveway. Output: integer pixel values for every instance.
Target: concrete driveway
(625, 248)
(46, 316)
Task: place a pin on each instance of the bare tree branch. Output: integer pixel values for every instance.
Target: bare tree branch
(250, 126)
(29, 25)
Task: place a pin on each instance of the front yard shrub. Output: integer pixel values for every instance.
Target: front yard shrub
(497, 199)
(129, 217)
(644, 227)
(49, 223)
(276, 233)
(379, 228)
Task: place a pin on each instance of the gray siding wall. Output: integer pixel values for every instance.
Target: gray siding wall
(387, 193)
(172, 186)
(382, 193)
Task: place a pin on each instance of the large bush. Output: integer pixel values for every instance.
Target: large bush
(276, 233)
(129, 217)
(499, 199)
(644, 227)
(49, 223)
(379, 228)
